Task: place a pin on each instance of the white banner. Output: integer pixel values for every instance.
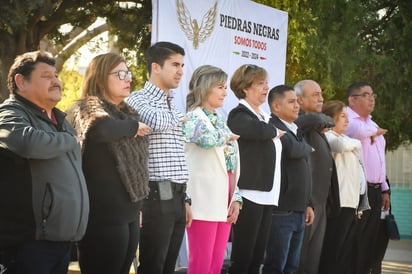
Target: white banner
(223, 33)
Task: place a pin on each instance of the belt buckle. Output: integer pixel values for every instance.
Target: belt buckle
(374, 185)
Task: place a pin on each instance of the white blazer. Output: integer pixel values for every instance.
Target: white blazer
(208, 184)
(351, 176)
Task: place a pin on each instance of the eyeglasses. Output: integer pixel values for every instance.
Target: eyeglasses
(250, 67)
(122, 74)
(366, 95)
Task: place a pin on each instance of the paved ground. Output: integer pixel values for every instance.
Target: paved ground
(398, 257)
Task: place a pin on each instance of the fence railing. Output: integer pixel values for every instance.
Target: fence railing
(399, 167)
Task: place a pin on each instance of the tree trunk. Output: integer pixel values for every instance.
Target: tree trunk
(6, 60)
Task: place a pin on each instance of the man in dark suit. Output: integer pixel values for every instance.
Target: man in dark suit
(293, 210)
(325, 189)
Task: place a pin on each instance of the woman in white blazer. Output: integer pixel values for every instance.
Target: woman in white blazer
(213, 161)
(337, 253)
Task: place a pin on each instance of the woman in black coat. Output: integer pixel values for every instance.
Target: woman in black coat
(259, 181)
(115, 155)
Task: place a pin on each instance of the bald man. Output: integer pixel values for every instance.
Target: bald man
(325, 189)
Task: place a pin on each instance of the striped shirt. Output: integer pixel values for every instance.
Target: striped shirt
(166, 146)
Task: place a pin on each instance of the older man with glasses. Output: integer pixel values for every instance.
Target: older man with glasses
(361, 99)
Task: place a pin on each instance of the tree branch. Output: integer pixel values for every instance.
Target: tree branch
(77, 43)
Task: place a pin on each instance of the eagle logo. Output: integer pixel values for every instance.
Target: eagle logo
(195, 33)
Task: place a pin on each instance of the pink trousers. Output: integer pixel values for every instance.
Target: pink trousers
(207, 246)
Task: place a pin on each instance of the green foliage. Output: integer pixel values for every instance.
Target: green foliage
(133, 31)
(137, 66)
(339, 42)
(299, 61)
(71, 85)
(391, 69)
(23, 24)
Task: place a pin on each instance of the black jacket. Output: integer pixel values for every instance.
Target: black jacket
(16, 210)
(114, 162)
(296, 177)
(325, 187)
(256, 149)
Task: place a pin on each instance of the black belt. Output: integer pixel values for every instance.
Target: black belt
(176, 187)
(374, 185)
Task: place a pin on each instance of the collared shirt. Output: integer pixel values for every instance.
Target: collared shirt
(53, 116)
(265, 197)
(166, 147)
(373, 147)
(291, 126)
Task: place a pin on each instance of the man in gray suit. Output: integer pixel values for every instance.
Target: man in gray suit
(325, 189)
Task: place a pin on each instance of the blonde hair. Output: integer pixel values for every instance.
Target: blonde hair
(204, 78)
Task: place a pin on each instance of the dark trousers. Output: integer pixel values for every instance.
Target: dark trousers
(163, 227)
(338, 245)
(250, 234)
(108, 248)
(368, 231)
(37, 257)
(285, 242)
(380, 250)
(313, 242)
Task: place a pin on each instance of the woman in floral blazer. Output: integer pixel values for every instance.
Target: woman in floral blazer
(213, 161)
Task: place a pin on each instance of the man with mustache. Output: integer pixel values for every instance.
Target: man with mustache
(325, 189)
(44, 204)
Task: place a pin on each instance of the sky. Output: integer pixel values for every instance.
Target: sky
(86, 53)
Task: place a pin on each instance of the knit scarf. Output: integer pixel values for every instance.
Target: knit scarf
(131, 154)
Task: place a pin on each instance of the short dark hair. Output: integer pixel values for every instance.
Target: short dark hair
(355, 87)
(24, 64)
(278, 92)
(160, 52)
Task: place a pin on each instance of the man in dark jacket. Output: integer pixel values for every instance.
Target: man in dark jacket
(325, 188)
(294, 210)
(44, 203)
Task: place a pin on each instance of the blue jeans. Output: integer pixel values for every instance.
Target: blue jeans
(285, 242)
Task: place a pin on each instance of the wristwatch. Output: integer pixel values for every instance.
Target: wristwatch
(188, 200)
